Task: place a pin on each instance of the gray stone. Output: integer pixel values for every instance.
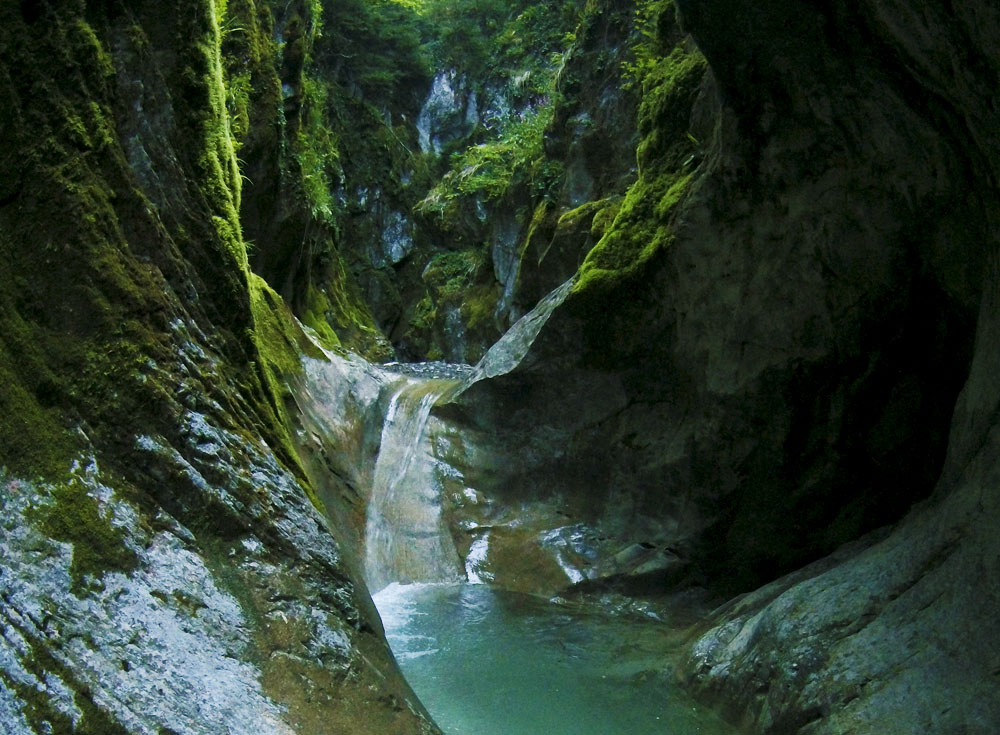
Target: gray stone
(448, 113)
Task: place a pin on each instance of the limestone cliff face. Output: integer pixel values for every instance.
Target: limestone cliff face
(898, 637)
(163, 569)
(771, 346)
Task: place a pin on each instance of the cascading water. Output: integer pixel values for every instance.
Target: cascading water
(406, 538)
(484, 660)
(510, 350)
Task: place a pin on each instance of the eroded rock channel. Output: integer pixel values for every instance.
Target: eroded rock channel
(474, 591)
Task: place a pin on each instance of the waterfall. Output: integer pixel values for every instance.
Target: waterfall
(406, 535)
(406, 538)
(512, 347)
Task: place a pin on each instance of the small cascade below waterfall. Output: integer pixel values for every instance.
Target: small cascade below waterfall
(483, 659)
(406, 536)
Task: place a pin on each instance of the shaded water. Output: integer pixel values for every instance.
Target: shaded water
(484, 661)
(488, 662)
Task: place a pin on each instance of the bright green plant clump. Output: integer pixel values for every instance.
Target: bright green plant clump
(492, 169)
(448, 274)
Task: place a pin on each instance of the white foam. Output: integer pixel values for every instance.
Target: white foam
(477, 559)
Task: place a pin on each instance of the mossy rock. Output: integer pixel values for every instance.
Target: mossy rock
(448, 274)
(640, 229)
(98, 546)
(643, 224)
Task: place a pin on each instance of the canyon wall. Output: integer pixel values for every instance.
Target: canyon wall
(163, 569)
(762, 358)
(776, 371)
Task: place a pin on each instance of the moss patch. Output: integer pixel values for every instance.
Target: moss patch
(340, 316)
(279, 339)
(42, 716)
(34, 440)
(281, 344)
(636, 234)
(449, 274)
(669, 71)
(98, 546)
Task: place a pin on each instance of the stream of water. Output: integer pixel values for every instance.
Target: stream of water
(484, 661)
(405, 535)
(406, 538)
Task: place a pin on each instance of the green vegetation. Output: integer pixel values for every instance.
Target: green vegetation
(32, 434)
(339, 315)
(57, 220)
(82, 221)
(449, 274)
(484, 37)
(514, 161)
(634, 237)
(279, 339)
(317, 152)
(477, 310)
(98, 546)
(38, 708)
(319, 92)
(668, 69)
(280, 344)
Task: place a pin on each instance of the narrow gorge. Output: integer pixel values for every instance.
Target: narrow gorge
(420, 366)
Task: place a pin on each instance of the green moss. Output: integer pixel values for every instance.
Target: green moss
(425, 313)
(280, 343)
(317, 151)
(201, 97)
(32, 436)
(450, 273)
(279, 339)
(669, 71)
(605, 216)
(340, 316)
(96, 721)
(492, 169)
(582, 215)
(315, 316)
(640, 229)
(96, 276)
(418, 334)
(38, 709)
(669, 88)
(98, 546)
(540, 229)
(478, 306)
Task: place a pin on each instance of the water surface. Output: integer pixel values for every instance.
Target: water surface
(487, 662)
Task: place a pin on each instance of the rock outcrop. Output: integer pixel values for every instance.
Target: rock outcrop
(898, 637)
(762, 358)
(163, 567)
